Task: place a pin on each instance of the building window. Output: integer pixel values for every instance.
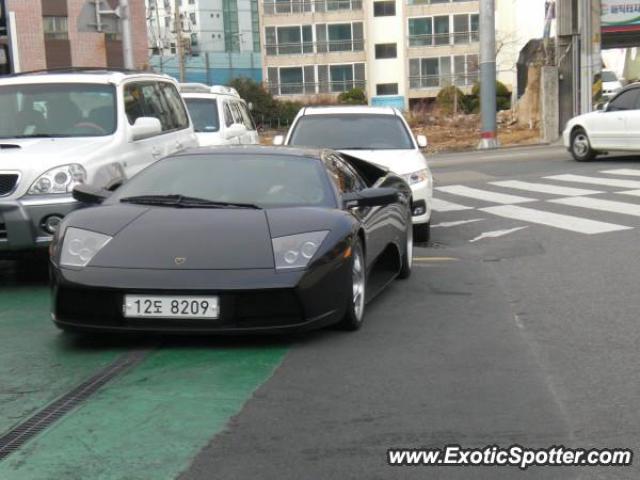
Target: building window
(443, 30)
(386, 50)
(291, 80)
(193, 19)
(340, 37)
(387, 89)
(192, 2)
(230, 23)
(255, 26)
(465, 28)
(420, 32)
(55, 28)
(302, 80)
(384, 8)
(289, 40)
(438, 72)
(272, 7)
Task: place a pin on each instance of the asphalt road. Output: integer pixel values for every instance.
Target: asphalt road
(519, 325)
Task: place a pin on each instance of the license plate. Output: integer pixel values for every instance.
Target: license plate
(145, 306)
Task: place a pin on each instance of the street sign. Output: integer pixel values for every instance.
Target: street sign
(620, 15)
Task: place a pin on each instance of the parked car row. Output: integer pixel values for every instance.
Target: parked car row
(216, 239)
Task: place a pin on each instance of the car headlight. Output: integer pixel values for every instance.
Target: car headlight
(416, 177)
(296, 251)
(80, 246)
(59, 180)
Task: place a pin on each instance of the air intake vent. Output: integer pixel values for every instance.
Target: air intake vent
(8, 182)
(8, 146)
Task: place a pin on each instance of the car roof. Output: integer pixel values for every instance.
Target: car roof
(313, 153)
(349, 109)
(81, 75)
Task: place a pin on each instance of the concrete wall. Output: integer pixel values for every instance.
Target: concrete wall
(30, 39)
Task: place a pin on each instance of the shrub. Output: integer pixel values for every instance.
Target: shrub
(355, 96)
(447, 98)
(503, 96)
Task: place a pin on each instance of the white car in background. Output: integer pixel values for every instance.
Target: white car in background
(62, 128)
(611, 84)
(615, 127)
(378, 135)
(219, 115)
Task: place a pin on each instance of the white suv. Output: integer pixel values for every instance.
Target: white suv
(220, 116)
(379, 135)
(59, 129)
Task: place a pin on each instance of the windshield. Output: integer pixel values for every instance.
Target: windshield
(351, 132)
(57, 110)
(204, 114)
(261, 180)
(608, 76)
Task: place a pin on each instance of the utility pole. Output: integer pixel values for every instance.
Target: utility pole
(489, 137)
(179, 42)
(127, 40)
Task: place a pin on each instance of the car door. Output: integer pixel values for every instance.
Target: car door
(181, 132)
(632, 127)
(142, 152)
(239, 119)
(374, 219)
(228, 124)
(609, 128)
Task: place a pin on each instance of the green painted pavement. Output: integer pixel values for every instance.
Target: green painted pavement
(37, 363)
(149, 423)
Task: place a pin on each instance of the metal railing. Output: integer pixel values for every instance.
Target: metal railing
(273, 7)
(417, 82)
(437, 39)
(351, 45)
(312, 88)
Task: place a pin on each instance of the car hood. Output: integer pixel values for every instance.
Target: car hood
(398, 161)
(34, 156)
(175, 238)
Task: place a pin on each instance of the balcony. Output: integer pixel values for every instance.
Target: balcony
(439, 39)
(280, 7)
(314, 88)
(328, 46)
(418, 82)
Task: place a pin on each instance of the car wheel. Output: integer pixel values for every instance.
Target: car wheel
(581, 146)
(422, 232)
(407, 258)
(354, 315)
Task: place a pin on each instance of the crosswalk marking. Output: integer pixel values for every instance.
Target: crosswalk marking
(564, 222)
(600, 204)
(485, 195)
(544, 188)
(444, 206)
(629, 172)
(635, 193)
(610, 182)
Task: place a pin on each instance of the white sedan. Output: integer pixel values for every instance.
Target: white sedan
(378, 135)
(616, 127)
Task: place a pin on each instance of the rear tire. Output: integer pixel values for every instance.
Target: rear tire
(407, 258)
(422, 232)
(354, 316)
(581, 146)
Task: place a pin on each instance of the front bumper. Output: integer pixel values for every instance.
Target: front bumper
(251, 301)
(21, 222)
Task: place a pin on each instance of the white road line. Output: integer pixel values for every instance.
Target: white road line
(484, 195)
(602, 205)
(545, 188)
(444, 206)
(635, 193)
(496, 234)
(609, 182)
(629, 172)
(456, 224)
(564, 222)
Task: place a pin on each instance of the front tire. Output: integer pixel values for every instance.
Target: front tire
(581, 146)
(354, 316)
(407, 258)
(422, 232)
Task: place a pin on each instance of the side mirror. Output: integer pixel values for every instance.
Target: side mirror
(234, 130)
(370, 197)
(422, 141)
(145, 127)
(89, 194)
(278, 140)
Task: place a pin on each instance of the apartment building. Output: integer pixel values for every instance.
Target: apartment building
(230, 26)
(400, 51)
(63, 33)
